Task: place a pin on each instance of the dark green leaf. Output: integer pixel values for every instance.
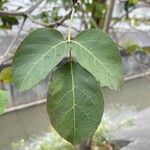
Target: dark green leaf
(75, 103)
(8, 22)
(97, 53)
(43, 49)
(39, 53)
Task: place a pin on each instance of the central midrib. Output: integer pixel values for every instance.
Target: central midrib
(92, 55)
(73, 94)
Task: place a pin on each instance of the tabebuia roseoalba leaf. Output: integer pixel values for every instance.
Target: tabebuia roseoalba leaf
(75, 102)
(38, 54)
(44, 48)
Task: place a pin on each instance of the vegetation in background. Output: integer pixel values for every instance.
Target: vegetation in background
(5, 78)
(6, 75)
(6, 22)
(115, 119)
(132, 47)
(3, 101)
(47, 141)
(97, 9)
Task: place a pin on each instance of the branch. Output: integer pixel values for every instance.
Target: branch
(7, 13)
(9, 49)
(27, 14)
(6, 55)
(57, 23)
(21, 13)
(109, 15)
(34, 6)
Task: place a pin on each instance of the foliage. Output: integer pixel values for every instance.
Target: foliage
(95, 8)
(66, 102)
(146, 50)
(133, 2)
(2, 2)
(132, 47)
(17, 145)
(3, 101)
(47, 141)
(6, 75)
(129, 4)
(43, 49)
(75, 97)
(6, 22)
(93, 58)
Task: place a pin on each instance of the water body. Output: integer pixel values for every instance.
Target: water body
(32, 121)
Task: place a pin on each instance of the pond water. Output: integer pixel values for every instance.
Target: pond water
(25, 123)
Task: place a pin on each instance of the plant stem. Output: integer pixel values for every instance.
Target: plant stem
(70, 25)
(108, 17)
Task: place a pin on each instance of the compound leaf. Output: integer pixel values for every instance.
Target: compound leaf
(75, 103)
(43, 49)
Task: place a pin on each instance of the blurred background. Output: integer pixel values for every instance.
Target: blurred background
(126, 121)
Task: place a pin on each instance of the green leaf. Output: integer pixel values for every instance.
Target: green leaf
(133, 2)
(38, 54)
(3, 100)
(2, 2)
(43, 49)
(8, 22)
(6, 75)
(97, 53)
(75, 103)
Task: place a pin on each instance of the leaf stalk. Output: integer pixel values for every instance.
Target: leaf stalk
(70, 25)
